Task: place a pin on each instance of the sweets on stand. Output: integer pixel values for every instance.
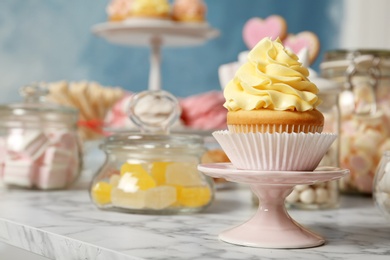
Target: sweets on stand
(189, 11)
(119, 10)
(272, 156)
(151, 9)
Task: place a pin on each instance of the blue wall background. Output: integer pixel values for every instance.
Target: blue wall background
(50, 40)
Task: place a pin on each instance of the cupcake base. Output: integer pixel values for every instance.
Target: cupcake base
(275, 151)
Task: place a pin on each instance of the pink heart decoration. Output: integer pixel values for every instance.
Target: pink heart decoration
(256, 29)
(302, 40)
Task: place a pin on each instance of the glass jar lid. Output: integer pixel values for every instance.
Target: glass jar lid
(361, 72)
(34, 109)
(154, 112)
(337, 62)
(152, 142)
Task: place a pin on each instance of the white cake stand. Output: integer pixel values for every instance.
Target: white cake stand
(271, 226)
(155, 33)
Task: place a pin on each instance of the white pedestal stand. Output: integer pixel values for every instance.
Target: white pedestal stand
(155, 34)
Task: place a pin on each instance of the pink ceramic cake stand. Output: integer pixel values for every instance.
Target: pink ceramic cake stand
(271, 226)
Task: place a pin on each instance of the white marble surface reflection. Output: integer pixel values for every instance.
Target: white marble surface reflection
(66, 225)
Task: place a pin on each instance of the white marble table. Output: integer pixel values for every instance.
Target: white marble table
(66, 225)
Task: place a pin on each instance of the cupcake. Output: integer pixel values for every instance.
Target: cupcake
(189, 10)
(119, 10)
(273, 123)
(151, 9)
(271, 92)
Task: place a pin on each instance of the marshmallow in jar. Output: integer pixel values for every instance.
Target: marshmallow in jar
(152, 172)
(322, 195)
(381, 190)
(39, 144)
(365, 112)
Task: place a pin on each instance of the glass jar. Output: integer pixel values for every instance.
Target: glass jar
(322, 195)
(365, 112)
(381, 188)
(152, 172)
(39, 145)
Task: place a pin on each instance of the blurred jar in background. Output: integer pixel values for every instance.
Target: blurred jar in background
(39, 144)
(326, 194)
(365, 112)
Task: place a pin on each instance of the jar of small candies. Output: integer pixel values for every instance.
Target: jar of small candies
(152, 172)
(39, 144)
(323, 195)
(365, 112)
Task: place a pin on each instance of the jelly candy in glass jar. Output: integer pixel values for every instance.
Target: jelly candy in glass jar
(152, 172)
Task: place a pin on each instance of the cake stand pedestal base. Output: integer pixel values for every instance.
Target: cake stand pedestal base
(271, 226)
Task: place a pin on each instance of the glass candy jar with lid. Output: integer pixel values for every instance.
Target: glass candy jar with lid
(152, 172)
(39, 144)
(365, 112)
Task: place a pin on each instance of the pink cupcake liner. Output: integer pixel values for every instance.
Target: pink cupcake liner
(275, 151)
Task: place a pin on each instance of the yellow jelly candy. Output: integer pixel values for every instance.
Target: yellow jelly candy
(130, 167)
(194, 196)
(160, 197)
(184, 174)
(130, 200)
(101, 193)
(158, 171)
(134, 175)
(114, 180)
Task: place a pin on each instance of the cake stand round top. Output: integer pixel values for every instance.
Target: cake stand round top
(140, 32)
(230, 173)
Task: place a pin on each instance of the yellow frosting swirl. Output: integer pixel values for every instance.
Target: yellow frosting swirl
(272, 78)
